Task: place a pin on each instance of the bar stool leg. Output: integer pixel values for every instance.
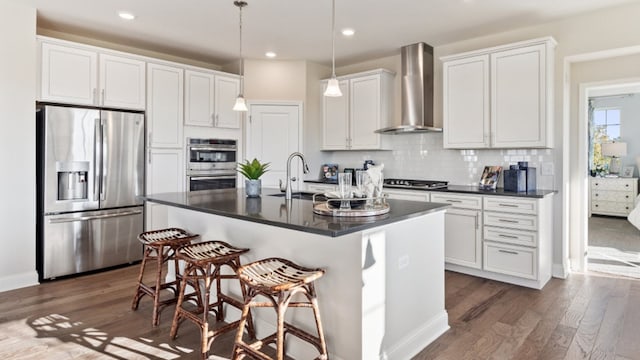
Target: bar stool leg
(156, 296)
(282, 307)
(316, 313)
(177, 315)
(139, 293)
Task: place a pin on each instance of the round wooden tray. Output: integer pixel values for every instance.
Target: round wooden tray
(323, 208)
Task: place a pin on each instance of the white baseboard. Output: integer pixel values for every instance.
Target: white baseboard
(419, 340)
(560, 271)
(16, 281)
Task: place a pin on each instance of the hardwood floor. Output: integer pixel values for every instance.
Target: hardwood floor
(89, 317)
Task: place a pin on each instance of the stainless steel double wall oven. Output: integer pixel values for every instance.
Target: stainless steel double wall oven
(211, 164)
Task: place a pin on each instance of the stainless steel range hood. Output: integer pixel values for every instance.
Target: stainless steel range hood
(417, 91)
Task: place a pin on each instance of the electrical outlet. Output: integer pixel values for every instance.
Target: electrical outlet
(547, 169)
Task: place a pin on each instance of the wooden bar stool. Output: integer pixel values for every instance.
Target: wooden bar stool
(279, 280)
(204, 262)
(161, 246)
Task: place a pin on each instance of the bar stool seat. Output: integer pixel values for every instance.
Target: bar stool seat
(279, 280)
(204, 262)
(160, 245)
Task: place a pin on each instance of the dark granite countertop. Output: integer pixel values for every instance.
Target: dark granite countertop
(296, 214)
(468, 189)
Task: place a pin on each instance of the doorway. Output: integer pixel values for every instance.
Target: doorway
(608, 115)
(273, 132)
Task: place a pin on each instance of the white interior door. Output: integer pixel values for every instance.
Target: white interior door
(273, 133)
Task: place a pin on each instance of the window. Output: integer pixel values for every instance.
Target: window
(606, 123)
(605, 127)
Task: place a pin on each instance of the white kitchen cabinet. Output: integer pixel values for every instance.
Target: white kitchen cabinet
(335, 119)
(198, 95)
(226, 91)
(366, 105)
(463, 229)
(613, 196)
(466, 104)
(320, 188)
(517, 240)
(165, 106)
(82, 75)
(165, 173)
(499, 97)
(407, 195)
(209, 99)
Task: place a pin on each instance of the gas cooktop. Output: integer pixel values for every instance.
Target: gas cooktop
(415, 184)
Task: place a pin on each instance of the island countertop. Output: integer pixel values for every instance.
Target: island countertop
(296, 214)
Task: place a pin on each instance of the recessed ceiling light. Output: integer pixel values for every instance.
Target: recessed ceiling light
(126, 15)
(348, 32)
(270, 54)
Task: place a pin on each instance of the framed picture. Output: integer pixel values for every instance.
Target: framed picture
(329, 172)
(490, 176)
(627, 171)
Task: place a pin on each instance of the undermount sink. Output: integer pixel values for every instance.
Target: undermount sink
(303, 195)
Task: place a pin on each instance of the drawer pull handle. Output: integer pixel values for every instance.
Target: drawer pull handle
(508, 252)
(454, 201)
(508, 205)
(510, 221)
(507, 236)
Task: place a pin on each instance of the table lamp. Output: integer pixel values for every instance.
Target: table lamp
(614, 150)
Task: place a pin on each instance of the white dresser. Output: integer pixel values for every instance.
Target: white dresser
(613, 196)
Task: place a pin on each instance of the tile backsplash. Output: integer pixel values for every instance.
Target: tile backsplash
(421, 156)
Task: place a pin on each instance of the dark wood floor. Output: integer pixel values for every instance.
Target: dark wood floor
(89, 317)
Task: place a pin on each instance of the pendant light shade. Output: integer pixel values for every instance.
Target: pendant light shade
(333, 87)
(240, 104)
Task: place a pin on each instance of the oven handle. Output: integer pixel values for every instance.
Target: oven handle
(201, 178)
(209, 148)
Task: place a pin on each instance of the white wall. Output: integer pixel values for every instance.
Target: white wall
(17, 145)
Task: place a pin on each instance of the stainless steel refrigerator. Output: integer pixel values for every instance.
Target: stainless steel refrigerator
(90, 174)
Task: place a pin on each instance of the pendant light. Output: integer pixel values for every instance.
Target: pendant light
(240, 104)
(333, 87)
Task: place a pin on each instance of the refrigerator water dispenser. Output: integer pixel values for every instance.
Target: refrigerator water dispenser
(73, 177)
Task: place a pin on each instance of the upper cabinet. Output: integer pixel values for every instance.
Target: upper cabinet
(499, 97)
(81, 75)
(209, 99)
(366, 105)
(165, 106)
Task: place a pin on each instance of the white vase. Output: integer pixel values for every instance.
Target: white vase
(253, 188)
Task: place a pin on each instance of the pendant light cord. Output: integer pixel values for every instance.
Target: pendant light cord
(241, 5)
(333, 38)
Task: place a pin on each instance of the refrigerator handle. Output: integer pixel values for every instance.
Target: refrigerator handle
(105, 161)
(94, 217)
(97, 155)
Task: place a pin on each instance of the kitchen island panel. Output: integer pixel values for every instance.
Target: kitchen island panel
(383, 292)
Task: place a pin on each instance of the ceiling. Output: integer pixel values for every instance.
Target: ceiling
(207, 30)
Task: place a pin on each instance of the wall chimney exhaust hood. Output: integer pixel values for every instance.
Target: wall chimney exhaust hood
(417, 91)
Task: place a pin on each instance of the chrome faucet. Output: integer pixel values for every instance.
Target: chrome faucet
(305, 168)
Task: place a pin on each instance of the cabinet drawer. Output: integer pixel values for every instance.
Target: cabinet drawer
(458, 201)
(511, 205)
(512, 221)
(321, 188)
(611, 207)
(607, 195)
(620, 184)
(517, 237)
(407, 195)
(511, 260)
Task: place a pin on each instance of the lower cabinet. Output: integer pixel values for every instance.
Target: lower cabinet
(462, 229)
(502, 238)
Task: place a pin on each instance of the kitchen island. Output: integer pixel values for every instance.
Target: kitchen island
(382, 296)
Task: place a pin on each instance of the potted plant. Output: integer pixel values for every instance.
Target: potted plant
(252, 170)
